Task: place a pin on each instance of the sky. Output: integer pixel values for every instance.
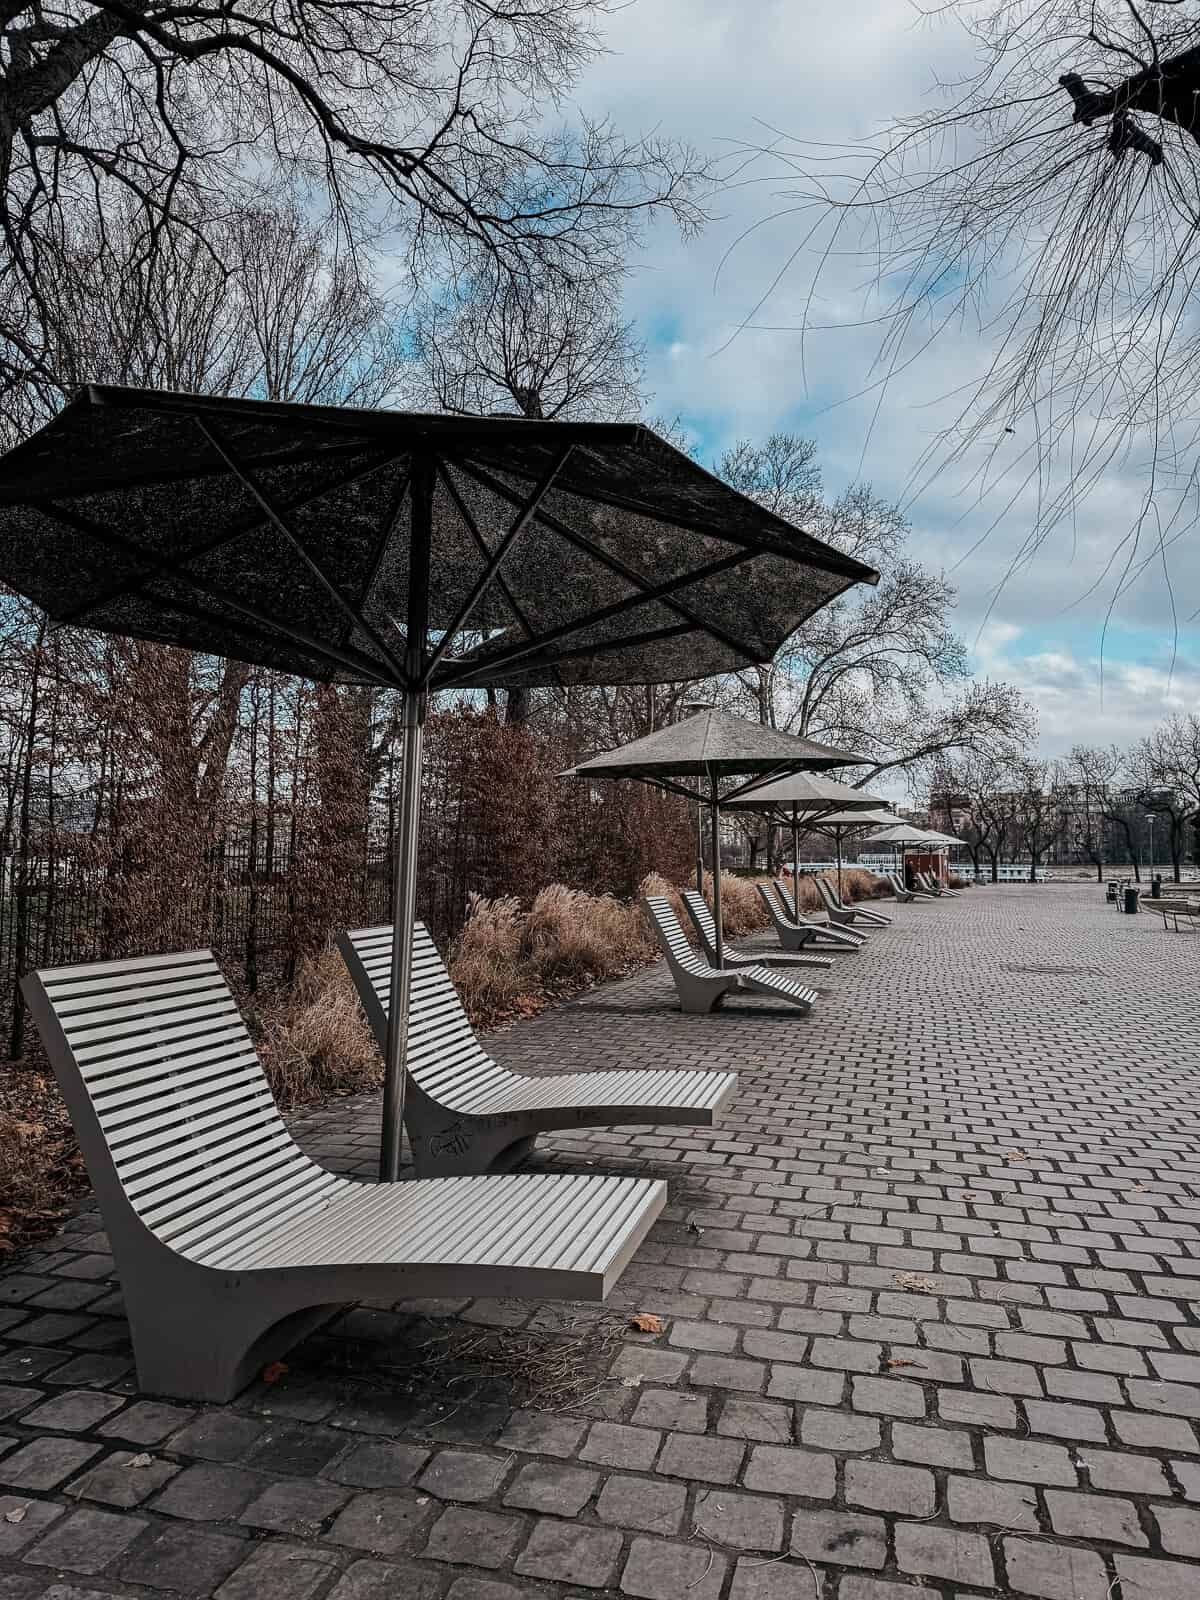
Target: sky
(732, 74)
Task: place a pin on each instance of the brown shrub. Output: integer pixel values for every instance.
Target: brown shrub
(315, 1042)
(655, 884)
(742, 910)
(485, 961)
(577, 937)
(40, 1164)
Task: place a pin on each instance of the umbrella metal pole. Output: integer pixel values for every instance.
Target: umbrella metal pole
(699, 847)
(715, 826)
(404, 911)
(837, 834)
(795, 865)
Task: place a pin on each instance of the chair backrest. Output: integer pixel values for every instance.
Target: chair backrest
(445, 1059)
(702, 917)
(770, 897)
(785, 900)
(829, 894)
(672, 937)
(171, 1105)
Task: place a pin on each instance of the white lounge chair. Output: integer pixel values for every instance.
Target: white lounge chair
(465, 1112)
(841, 912)
(935, 886)
(230, 1242)
(805, 932)
(901, 890)
(703, 988)
(702, 920)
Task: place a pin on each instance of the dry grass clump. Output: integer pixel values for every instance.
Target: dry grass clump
(315, 1041)
(507, 962)
(581, 937)
(40, 1165)
(655, 884)
(742, 910)
(858, 884)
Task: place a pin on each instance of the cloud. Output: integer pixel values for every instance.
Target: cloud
(727, 75)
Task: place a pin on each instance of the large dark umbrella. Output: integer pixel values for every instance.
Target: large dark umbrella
(804, 798)
(713, 758)
(403, 551)
(837, 824)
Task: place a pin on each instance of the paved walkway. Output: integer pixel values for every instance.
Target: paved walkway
(930, 1307)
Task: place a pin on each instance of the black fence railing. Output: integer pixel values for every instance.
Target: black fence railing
(59, 909)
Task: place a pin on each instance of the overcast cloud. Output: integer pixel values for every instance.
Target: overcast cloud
(724, 75)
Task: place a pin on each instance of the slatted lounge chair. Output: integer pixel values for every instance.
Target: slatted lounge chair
(465, 1112)
(902, 892)
(230, 1242)
(935, 886)
(805, 934)
(855, 913)
(704, 988)
(702, 920)
(826, 933)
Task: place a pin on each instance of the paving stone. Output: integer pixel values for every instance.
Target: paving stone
(975, 1409)
(387, 1522)
(379, 1464)
(566, 1552)
(1029, 1461)
(123, 1478)
(1179, 1530)
(613, 1444)
(462, 1475)
(774, 1469)
(45, 1463)
(1143, 1579)
(880, 1486)
(86, 1541)
(649, 1365)
(14, 1400)
(471, 1588)
(383, 1580)
(856, 1587)
(984, 1500)
(653, 1506)
(1057, 1572)
(559, 1490)
(936, 1447)
(661, 1569)
(757, 1419)
(742, 1521)
(707, 1460)
(218, 1436)
(208, 1492)
(671, 1409)
(839, 1538)
(934, 1552)
(1094, 1516)
(889, 1397)
(191, 1560)
(839, 1430)
(22, 1521)
(542, 1433)
(299, 1448)
(279, 1572)
(475, 1538)
(783, 1580)
(296, 1506)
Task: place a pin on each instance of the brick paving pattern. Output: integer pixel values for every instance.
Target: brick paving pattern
(930, 1306)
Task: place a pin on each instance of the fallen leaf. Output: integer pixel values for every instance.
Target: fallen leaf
(1015, 1155)
(900, 1361)
(631, 1383)
(914, 1281)
(17, 1514)
(646, 1322)
(141, 1461)
(274, 1372)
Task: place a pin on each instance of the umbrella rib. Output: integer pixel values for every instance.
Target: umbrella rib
(480, 669)
(680, 607)
(178, 566)
(484, 549)
(630, 603)
(331, 654)
(484, 581)
(386, 528)
(279, 522)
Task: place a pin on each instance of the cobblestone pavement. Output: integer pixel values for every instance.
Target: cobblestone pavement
(930, 1306)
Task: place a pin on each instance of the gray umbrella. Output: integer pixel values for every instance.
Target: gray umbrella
(710, 758)
(402, 551)
(837, 824)
(804, 797)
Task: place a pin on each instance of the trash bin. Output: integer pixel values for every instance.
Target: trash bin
(1156, 886)
(1111, 890)
(1131, 897)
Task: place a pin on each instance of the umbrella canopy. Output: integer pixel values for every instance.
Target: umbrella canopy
(709, 758)
(839, 823)
(405, 551)
(906, 833)
(806, 797)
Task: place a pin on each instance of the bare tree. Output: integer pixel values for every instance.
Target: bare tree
(426, 118)
(1038, 816)
(879, 670)
(1049, 197)
(1165, 768)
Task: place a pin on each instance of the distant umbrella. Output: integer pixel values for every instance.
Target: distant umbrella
(709, 758)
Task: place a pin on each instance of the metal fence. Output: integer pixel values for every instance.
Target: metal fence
(58, 909)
